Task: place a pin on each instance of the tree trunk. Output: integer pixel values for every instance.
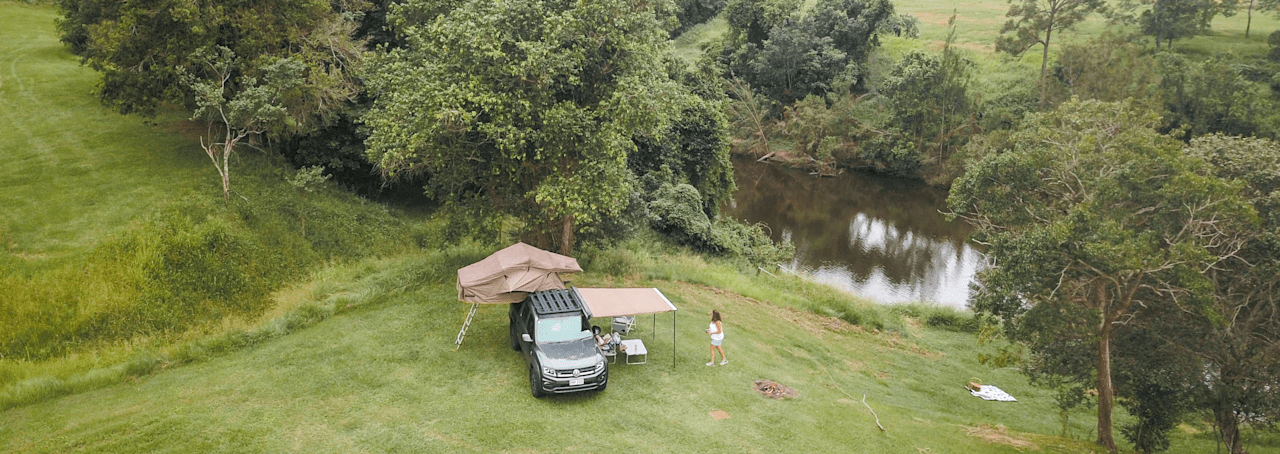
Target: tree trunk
(566, 235)
(1248, 23)
(1044, 62)
(1229, 426)
(1106, 395)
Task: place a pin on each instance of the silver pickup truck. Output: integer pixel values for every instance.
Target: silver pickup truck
(550, 328)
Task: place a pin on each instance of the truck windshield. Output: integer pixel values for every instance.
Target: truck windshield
(560, 329)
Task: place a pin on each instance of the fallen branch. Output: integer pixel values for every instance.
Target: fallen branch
(864, 396)
(873, 413)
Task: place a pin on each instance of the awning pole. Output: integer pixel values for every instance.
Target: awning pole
(673, 341)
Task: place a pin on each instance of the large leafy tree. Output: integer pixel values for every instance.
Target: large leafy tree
(1167, 20)
(217, 58)
(525, 108)
(1091, 216)
(1236, 333)
(790, 57)
(143, 48)
(1034, 24)
(1212, 96)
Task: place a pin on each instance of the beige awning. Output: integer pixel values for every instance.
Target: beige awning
(508, 275)
(613, 302)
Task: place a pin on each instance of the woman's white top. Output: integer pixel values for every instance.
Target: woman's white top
(716, 336)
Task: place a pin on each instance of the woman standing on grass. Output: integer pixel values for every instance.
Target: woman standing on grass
(716, 330)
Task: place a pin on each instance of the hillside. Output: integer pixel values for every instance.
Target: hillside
(348, 344)
(384, 376)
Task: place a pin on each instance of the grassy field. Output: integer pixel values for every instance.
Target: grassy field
(978, 24)
(382, 375)
(98, 209)
(357, 355)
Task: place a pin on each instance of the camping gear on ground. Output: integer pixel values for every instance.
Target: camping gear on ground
(975, 384)
(630, 302)
(990, 392)
(624, 324)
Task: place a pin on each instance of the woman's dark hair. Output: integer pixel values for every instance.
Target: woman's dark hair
(595, 330)
(715, 315)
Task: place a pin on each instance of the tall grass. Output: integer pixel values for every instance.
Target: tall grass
(334, 290)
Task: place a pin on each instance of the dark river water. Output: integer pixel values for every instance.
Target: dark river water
(881, 238)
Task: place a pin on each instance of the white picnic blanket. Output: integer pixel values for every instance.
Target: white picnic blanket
(993, 393)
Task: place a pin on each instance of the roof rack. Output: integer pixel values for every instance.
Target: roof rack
(556, 301)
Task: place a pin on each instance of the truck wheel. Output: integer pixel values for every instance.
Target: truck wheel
(535, 382)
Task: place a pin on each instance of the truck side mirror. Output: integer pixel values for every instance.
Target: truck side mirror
(525, 337)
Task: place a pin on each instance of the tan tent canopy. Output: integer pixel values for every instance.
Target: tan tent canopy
(508, 275)
(613, 302)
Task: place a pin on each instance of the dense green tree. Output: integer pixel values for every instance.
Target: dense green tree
(692, 149)
(236, 110)
(694, 12)
(823, 51)
(794, 63)
(215, 58)
(1036, 20)
(1167, 20)
(750, 21)
(1107, 68)
(142, 48)
(1234, 333)
(1090, 217)
(1212, 96)
(525, 109)
(927, 98)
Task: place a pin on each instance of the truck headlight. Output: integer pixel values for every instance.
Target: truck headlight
(599, 364)
(548, 372)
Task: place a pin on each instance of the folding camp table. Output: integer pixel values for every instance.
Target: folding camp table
(635, 347)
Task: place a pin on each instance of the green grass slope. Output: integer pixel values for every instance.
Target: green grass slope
(114, 234)
(382, 375)
(74, 171)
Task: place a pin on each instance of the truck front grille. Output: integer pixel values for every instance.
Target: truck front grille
(584, 372)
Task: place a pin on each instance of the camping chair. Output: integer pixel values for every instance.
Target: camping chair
(624, 324)
(610, 349)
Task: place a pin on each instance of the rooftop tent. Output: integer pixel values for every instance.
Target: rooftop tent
(508, 275)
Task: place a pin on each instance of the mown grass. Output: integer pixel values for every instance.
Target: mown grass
(380, 373)
(114, 235)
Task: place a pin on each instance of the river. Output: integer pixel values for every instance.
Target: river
(877, 237)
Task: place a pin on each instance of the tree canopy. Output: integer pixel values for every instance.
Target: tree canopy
(143, 48)
(526, 108)
(1036, 20)
(1092, 216)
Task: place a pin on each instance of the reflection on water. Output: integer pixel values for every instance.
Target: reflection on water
(877, 237)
